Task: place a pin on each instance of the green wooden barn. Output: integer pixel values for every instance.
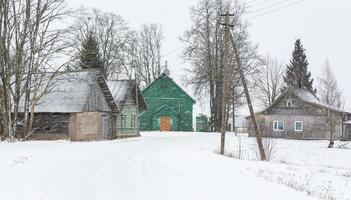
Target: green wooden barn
(170, 108)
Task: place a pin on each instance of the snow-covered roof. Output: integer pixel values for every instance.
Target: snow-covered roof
(306, 96)
(68, 94)
(120, 90)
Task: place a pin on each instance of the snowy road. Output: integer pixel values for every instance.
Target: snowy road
(153, 167)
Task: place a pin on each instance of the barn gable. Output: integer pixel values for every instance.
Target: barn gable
(164, 86)
(169, 103)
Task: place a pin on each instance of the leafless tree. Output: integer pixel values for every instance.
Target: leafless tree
(112, 33)
(150, 48)
(29, 44)
(204, 49)
(331, 96)
(268, 82)
(122, 49)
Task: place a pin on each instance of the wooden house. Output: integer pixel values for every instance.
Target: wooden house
(170, 108)
(79, 106)
(130, 103)
(297, 114)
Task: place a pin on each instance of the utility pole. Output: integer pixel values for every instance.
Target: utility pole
(248, 98)
(233, 104)
(225, 81)
(137, 124)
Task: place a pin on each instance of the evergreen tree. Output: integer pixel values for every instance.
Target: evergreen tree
(89, 54)
(297, 74)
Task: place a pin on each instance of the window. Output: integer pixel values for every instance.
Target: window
(278, 126)
(289, 104)
(123, 121)
(132, 121)
(298, 126)
(179, 107)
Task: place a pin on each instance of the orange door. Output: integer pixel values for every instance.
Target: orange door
(165, 123)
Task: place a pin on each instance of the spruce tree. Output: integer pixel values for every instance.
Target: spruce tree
(89, 53)
(297, 74)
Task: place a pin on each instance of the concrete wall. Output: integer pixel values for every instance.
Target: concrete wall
(85, 126)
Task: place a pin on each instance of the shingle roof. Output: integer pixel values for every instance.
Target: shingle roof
(69, 93)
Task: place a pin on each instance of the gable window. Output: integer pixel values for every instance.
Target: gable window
(132, 121)
(179, 107)
(289, 104)
(278, 126)
(123, 121)
(298, 126)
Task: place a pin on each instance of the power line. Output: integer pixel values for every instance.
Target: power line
(270, 6)
(171, 52)
(256, 4)
(276, 10)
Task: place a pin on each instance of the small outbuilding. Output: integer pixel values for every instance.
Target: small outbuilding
(201, 123)
(170, 108)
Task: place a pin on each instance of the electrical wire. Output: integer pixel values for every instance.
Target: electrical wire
(276, 10)
(268, 7)
(257, 4)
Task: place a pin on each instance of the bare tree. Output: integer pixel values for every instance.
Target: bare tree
(204, 50)
(149, 48)
(268, 82)
(29, 44)
(112, 33)
(331, 96)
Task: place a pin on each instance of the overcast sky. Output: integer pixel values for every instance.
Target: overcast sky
(323, 26)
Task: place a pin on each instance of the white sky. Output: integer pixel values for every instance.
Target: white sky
(322, 25)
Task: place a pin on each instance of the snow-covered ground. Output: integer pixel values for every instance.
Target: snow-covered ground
(167, 166)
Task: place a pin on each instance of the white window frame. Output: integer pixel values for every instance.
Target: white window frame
(289, 102)
(277, 129)
(295, 126)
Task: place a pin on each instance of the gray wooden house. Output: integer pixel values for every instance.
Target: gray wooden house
(130, 103)
(79, 106)
(297, 114)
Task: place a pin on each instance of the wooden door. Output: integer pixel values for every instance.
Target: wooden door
(106, 126)
(165, 123)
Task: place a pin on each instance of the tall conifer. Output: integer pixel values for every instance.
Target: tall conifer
(89, 54)
(297, 74)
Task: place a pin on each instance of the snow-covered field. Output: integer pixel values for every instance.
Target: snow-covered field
(167, 166)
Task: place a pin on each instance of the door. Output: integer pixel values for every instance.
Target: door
(165, 123)
(106, 126)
